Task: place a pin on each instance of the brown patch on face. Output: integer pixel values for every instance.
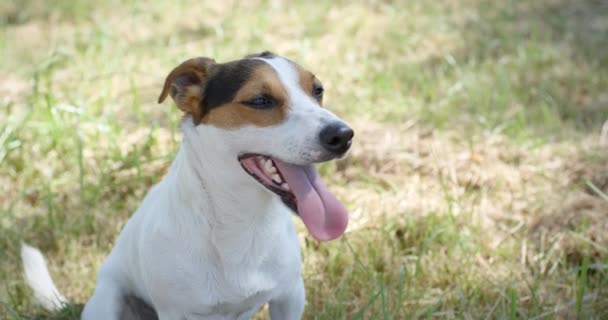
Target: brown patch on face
(309, 82)
(263, 80)
(185, 84)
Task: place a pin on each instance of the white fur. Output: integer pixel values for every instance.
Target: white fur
(39, 279)
(209, 242)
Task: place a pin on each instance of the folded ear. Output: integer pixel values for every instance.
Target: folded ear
(186, 84)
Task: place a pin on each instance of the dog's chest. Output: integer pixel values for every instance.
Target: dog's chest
(253, 269)
(228, 275)
(243, 291)
(243, 286)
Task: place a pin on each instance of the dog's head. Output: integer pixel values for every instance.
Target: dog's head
(271, 111)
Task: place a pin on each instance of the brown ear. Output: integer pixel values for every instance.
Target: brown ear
(186, 83)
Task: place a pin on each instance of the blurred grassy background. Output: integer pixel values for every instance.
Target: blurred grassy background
(477, 185)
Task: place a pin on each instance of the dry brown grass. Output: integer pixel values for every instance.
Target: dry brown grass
(534, 201)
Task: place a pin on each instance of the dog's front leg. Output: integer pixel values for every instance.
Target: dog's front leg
(105, 304)
(289, 305)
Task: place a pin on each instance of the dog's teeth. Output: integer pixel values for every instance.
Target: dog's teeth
(276, 178)
(269, 168)
(285, 186)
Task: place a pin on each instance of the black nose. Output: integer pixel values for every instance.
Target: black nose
(336, 137)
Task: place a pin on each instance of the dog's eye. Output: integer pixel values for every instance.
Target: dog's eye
(317, 92)
(261, 102)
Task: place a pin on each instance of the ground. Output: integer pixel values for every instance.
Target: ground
(477, 184)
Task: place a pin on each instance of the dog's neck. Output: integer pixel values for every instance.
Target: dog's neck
(211, 183)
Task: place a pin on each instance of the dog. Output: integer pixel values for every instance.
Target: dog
(215, 239)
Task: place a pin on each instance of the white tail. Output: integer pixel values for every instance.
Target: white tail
(38, 278)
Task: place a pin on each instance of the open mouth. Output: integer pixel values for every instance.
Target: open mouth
(265, 171)
(301, 189)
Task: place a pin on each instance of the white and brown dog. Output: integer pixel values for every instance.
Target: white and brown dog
(214, 239)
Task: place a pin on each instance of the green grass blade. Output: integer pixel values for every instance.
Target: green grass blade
(581, 284)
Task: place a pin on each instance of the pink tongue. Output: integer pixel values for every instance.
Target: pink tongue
(320, 210)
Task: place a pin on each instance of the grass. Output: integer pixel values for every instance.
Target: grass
(477, 183)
